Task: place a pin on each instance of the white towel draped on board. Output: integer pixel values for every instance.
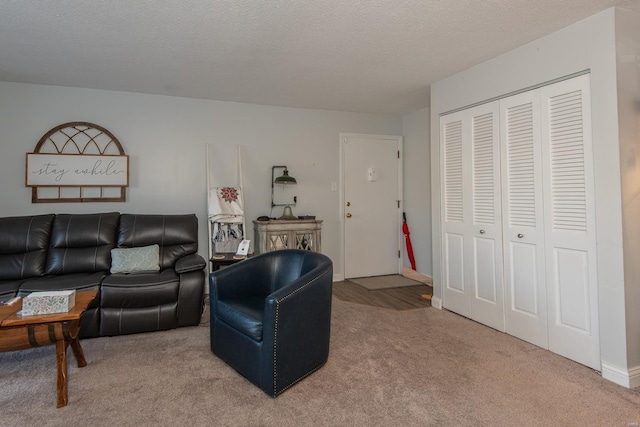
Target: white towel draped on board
(226, 213)
(225, 205)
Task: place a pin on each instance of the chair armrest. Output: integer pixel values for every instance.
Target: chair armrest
(305, 289)
(297, 329)
(191, 262)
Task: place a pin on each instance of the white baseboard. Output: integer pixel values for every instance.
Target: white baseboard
(626, 378)
(436, 303)
(338, 277)
(634, 377)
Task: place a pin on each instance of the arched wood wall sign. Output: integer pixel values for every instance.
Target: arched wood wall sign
(77, 162)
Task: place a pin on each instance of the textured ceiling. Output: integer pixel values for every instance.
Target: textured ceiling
(377, 56)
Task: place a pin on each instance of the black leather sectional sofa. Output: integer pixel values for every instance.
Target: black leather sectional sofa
(73, 251)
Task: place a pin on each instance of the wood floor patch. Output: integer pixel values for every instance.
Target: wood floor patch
(406, 298)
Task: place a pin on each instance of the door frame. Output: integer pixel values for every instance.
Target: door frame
(341, 210)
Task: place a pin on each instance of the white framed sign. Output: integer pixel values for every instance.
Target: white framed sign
(72, 170)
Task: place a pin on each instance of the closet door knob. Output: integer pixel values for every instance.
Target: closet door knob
(481, 231)
(520, 235)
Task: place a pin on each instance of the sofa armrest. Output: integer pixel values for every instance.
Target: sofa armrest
(190, 298)
(191, 262)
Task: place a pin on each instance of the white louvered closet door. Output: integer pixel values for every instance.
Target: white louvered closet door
(487, 300)
(519, 246)
(523, 228)
(472, 238)
(455, 213)
(570, 221)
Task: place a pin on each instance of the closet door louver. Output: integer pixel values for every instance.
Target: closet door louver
(484, 144)
(521, 165)
(566, 146)
(569, 221)
(453, 193)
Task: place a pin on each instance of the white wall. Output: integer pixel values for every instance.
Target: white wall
(628, 72)
(165, 138)
(417, 188)
(586, 45)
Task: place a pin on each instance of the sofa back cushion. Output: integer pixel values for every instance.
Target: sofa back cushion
(82, 243)
(176, 235)
(23, 246)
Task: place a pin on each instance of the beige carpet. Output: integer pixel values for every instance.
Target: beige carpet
(423, 367)
(385, 282)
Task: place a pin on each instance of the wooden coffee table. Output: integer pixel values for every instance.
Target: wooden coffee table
(21, 332)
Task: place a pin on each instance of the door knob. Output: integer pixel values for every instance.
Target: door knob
(348, 215)
(520, 235)
(481, 231)
(348, 203)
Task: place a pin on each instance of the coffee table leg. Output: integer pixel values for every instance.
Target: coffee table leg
(78, 353)
(61, 361)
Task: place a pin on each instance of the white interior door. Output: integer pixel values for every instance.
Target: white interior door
(371, 173)
(570, 221)
(523, 229)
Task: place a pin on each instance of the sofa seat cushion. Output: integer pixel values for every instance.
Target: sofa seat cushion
(77, 281)
(243, 314)
(140, 290)
(120, 321)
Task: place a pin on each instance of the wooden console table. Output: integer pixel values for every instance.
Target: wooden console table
(21, 332)
(278, 234)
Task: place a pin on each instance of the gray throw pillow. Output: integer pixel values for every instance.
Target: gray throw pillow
(145, 259)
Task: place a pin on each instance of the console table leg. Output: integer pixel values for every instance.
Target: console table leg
(61, 361)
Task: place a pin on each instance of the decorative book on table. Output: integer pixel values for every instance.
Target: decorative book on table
(48, 302)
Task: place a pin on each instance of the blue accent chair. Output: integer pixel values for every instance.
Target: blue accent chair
(271, 316)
